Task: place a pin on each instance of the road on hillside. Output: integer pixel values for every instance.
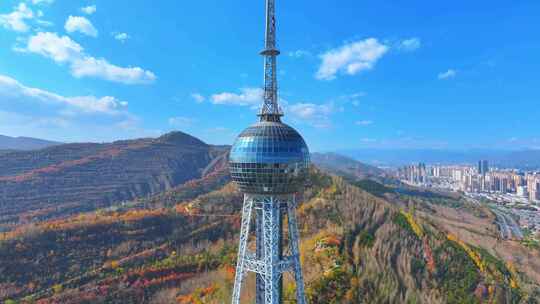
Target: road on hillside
(507, 225)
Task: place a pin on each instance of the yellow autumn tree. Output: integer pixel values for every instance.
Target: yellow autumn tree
(475, 257)
(414, 225)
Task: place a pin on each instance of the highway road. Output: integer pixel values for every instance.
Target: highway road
(507, 225)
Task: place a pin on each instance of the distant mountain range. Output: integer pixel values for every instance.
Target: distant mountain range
(526, 159)
(346, 166)
(68, 178)
(75, 177)
(24, 143)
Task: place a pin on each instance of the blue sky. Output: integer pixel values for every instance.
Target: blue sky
(352, 74)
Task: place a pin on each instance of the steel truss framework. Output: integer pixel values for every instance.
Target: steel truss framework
(268, 262)
(270, 110)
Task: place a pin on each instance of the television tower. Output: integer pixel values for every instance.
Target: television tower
(269, 162)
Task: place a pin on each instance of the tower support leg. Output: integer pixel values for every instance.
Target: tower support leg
(268, 261)
(259, 280)
(295, 251)
(242, 247)
(271, 233)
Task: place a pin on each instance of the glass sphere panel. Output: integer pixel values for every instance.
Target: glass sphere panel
(269, 158)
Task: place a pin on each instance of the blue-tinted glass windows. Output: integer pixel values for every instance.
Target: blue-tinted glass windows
(269, 157)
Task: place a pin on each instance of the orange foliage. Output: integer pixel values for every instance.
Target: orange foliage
(197, 295)
(491, 293)
(115, 264)
(230, 272)
(187, 209)
(428, 255)
(171, 278)
(84, 220)
(328, 241)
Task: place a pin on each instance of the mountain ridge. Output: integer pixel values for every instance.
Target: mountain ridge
(85, 176)
(24, 143)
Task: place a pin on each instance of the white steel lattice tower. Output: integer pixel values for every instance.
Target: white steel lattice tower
(269, 162)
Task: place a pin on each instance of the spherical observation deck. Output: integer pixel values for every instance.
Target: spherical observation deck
(269, 158)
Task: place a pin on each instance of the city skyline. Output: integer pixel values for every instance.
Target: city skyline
(513, 196)
(377, 75)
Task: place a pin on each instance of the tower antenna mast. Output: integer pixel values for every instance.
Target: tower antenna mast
(270, 110)
(269, 162)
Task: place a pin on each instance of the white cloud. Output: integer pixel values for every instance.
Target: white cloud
(122, 37)
(92, 67)
(64, 50)
(299, 54)
(447, 75)
(12, 90)
(247, 97)
(89, 10)
(181, 122)
(80, 24)
(316, 115)
(357, 95)
(29, 111)
(44, 23)
(60, 49)
(351, 58)
(411, 44)
(353, 98)
(309, 110)
(42, 1)
(198, 97)
(21, 124)
(16, 20)
(364, 122)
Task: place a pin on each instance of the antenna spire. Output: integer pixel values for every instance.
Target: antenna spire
(270, 110)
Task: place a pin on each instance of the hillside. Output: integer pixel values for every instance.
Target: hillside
(24, 143)
(71, 178)
(356, 248)
(343, 165)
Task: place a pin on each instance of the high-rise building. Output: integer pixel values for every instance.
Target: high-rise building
(483, 167)
(522, 191)
(533, 185)
(269, 162)
(479, 167)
